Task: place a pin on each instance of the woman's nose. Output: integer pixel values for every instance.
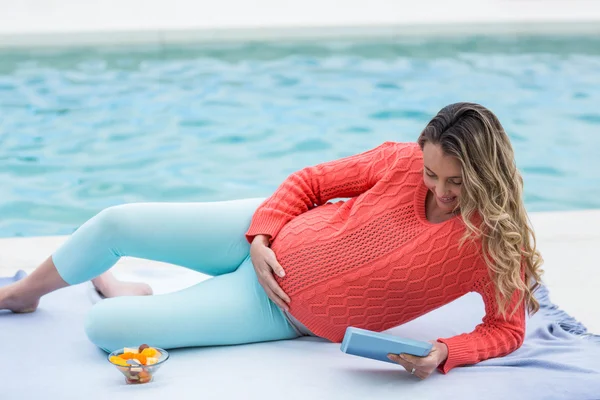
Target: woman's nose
(441, 190)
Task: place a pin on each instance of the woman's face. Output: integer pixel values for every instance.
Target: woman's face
(443, 176)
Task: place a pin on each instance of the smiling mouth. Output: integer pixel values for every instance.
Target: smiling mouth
(446, 200)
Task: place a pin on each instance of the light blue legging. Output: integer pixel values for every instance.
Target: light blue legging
(229, 308)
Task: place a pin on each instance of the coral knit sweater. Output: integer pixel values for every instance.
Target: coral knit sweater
(374, 261)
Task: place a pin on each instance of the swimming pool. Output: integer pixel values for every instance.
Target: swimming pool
(83, 129)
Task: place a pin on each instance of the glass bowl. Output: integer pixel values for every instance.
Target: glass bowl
(136, 374)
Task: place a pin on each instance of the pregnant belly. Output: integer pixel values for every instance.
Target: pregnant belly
(299, 245)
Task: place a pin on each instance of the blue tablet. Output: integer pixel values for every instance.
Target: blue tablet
(374, 345)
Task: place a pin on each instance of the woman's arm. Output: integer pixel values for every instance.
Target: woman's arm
(494, 337)
(314, 186)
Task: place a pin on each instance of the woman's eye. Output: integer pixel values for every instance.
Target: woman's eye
(430, 175)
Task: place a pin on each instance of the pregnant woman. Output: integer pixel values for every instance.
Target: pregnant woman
(421, 225)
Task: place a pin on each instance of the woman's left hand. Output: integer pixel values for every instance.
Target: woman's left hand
(423, 366)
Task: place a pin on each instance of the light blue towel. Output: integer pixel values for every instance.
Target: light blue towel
(20, 274)
(558, 354)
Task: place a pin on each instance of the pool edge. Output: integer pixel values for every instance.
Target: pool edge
(128, 37)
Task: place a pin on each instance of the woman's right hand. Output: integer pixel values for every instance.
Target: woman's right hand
(265, 264)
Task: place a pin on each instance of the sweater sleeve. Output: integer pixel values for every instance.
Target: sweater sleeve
(314, 186)
(494, 337)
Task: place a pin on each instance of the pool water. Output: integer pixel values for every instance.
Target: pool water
(84, 129)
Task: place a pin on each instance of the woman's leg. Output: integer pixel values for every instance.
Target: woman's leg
(207, 237)
(224, 310)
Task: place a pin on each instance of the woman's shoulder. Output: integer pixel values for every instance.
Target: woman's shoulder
(404, 155)
(406, 146)
(409, 150)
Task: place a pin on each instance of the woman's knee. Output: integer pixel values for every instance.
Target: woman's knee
(103, 326)
(110, 222)
(128, 321)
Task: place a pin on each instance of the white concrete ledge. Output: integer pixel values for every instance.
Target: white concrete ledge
(568, 241)
(73, 22)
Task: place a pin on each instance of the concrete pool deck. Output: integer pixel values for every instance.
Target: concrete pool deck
(70, 22)
(568, 241)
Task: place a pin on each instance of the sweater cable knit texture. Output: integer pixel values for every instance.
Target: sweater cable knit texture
(374, 261)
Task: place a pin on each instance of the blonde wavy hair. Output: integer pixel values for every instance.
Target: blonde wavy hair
(491, 197)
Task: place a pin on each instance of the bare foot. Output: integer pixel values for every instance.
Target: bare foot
(109, 286)
(119, 288)
(11, 300)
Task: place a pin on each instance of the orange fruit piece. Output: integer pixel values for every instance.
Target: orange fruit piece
(119, 361)
(150, 352)
(141, 358)
(128, 356)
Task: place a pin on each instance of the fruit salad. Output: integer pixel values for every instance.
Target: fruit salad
(136, 363)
